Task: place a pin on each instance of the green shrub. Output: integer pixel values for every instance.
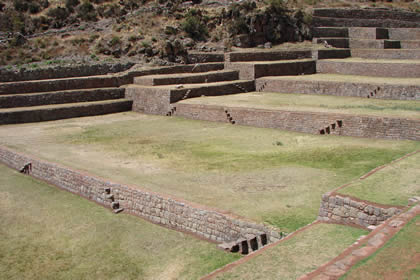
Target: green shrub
(194, 26)
(58, 13)
(87, 12)
(70, 4)
(115, 41)
(34, 8)
(20, 5)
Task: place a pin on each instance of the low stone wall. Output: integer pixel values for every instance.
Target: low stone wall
(355, 22)
(374, 44)
(367, 14)
(333, 32)
(160, 209)
(205, 57)
(251, 71)
(84, 109)
(191, 78)
(60, 97)
(404, 33)
(112, 80)
(326, 54)
(397, 70)
(265, 55)
(307, 122)
(371, 90)
(344, 209)
(386, 54)
(62, 72)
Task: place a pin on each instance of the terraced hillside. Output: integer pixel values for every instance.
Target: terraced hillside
(240, 152)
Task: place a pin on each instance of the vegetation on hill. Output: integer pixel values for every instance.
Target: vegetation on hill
(159, 31)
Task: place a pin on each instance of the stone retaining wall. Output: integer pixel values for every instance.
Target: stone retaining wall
(347, 210)
(397, 70)
(160, 209)
(307, 122)
(355, 22)
(251, 71)
(386, 54)
(265, 55)
(83, 109)
(364, 90)
(60, 97)
(113, 80)
(62, 72)
(367, 14)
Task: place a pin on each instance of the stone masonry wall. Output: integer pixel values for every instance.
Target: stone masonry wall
(62, 72)
(160, 209)
(344, 209)
(307, 122)
(338, 88)
(403, 70)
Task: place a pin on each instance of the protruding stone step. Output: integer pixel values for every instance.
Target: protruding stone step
(119, 210)
(63, 111)
(341, 43)
(257, 69)
(158, 99)
(110, 196)
(376, 68)
(60, 97)
(187, 78)
(115, 205)
(344, 85)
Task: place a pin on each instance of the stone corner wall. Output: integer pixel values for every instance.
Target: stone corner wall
(343, 209)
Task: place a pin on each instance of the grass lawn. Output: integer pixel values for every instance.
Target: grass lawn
(266, 175)
(47, 233)
(398, 259)
(315, 103)
(393, 185)
(299, 255)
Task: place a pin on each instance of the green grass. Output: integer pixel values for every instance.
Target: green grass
(315, 103)
(47, 233)
(393, 185)
(398, 259)
(299, 255)
(234, 168)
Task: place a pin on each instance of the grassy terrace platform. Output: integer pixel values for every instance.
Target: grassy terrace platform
(392, 185)
(299, 255)
(315, 103)
(385, 265)
(263, 174)
(47, 233)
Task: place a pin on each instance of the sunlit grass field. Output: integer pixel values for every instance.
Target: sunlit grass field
(266, 175)
(47, 233)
